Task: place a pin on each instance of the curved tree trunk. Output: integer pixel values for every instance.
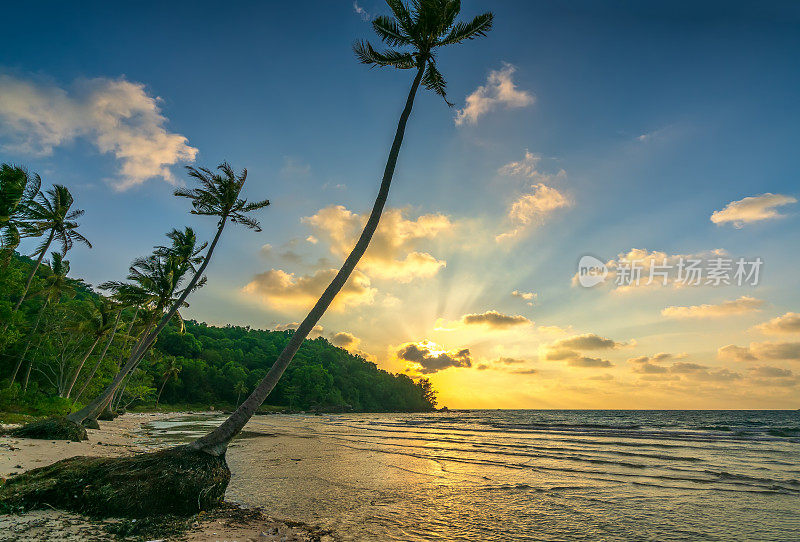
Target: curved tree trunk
(93, 409)
(27, 346)
(33, 272)
(158, 397)
(100, 359)
(80, 367)
(216, 442)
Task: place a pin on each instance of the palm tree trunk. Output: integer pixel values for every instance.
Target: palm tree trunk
(80, 367)
(33, 271)
(27, 346)
(158, 397)
(94, 407)
(102, 356)
(216, 442)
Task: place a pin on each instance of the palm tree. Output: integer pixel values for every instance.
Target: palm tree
(419, 29)
(172, 370)
(157, 280)
(219, 196)
(18, 188)
(97, 321)
(56, 285)
(240, 388)
(50, 215)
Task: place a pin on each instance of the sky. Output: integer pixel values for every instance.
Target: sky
(642, 135)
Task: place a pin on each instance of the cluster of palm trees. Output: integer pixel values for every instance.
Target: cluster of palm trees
(156, 287)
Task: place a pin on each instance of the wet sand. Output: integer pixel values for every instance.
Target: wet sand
(115, 438)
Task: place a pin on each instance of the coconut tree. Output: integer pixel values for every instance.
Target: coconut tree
(50, 215)
(18, 188)
(172, 370)
(56, 285)
(240, 388)
(415, 33)
(219, 196)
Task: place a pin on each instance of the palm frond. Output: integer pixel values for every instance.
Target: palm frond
(434, 80)
(390, 32)
(461, 31)
(396, 59)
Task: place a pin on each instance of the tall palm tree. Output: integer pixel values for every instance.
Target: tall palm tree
(219, 196)
(18, 188)
(56, 285)
(97, 321)
(50, 215)
(172, 370)
(419, 30)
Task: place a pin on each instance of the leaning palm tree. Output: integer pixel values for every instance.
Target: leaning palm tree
(419, 30)
(218, 196)
(101, 357)
(18, 188)
(49, 215)
(196, 474)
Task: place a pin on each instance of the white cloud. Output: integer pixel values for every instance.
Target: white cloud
(361, 12)
(116, 115)
(294, 168)
(393, 253)
(282, 290)
(529, 167)
(752, 209)
(741, 305)
(532, 208)
(499, 91)
(788, 323)
(528, 297)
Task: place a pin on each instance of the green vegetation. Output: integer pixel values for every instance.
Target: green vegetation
(194, 365)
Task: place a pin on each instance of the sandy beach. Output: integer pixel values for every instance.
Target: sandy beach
(115, 438)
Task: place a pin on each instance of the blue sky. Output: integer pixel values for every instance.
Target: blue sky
(658, 114)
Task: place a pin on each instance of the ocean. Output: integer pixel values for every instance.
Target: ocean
(520, 475)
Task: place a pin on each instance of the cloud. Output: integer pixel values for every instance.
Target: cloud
(495, 320)
(528, 297)
(294, 168)
(361, 12)
(760, 351)
(590, 363)
(752, 209)
(316, 331)
(524, 372)
(528, 168)
(343, 339)
(392, 252)
(788, 323)
(568, 350)
(510, 361)
(532, 208)
(735, 353)
(767, 371)
(430, 359)
(280, 289)
(742, 305)
(498, 92)
(117, 116)
(649, 364)
(588, 341)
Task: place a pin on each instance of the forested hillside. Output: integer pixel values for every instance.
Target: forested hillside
(199, 365)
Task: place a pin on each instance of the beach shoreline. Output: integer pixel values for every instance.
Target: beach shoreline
(119, 437)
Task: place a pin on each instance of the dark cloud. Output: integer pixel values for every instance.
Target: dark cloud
(495, 319)
(771, 372)
(344, 339)
(591, 363)
(430, 363)
(589, 341)
(510, 361)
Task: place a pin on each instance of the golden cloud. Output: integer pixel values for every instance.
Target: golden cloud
(283, 290)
